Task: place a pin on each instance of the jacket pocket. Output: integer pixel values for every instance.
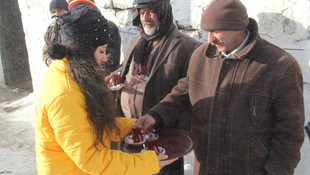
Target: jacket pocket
(259, 148)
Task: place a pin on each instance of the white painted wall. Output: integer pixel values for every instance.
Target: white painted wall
(1, 73)
(285, 23)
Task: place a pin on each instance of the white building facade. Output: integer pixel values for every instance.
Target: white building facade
(285, 23)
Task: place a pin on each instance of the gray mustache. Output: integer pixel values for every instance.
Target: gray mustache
(215, 42)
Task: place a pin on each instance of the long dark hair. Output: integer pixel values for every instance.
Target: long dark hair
(101, 107)
(83, 30)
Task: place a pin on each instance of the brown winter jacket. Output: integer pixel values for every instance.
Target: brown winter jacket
(171, 65)
(247, 112)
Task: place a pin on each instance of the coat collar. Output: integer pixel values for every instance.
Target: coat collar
(211, 51)
(61, 65)
(168, 46)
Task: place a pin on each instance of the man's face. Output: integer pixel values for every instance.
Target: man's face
(149, 20)
(225, 41)
(57, 12)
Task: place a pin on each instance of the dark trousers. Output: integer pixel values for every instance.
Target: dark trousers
(176, 168)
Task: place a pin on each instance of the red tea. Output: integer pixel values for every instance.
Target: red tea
(137, 135)
(152, 144)
(116, 79)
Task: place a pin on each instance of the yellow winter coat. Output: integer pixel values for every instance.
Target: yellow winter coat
(65, 140)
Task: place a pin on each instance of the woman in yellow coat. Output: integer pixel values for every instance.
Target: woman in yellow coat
(75, 110)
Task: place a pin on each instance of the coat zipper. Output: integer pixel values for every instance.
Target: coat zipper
(254, 108)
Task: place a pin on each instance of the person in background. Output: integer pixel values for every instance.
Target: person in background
(57, 7)
(307, 129)
(246, 98)
(75, 111)
(114, 44)
(155, 60)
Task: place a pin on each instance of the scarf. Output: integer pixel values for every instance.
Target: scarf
(144, 58)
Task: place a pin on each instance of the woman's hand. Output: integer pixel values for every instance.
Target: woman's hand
(109, 79)
(162, 160)
(113, 78)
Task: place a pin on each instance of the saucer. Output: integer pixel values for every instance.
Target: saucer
(162, 151)
(130, 141)
(177, 143)
(116, 88)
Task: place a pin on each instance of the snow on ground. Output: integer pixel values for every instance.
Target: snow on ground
(17, 149)
(17, 152)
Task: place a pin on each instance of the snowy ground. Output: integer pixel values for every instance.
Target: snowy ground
(17, 151)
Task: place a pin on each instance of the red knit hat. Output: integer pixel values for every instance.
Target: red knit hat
(225, 15)
(89, 2)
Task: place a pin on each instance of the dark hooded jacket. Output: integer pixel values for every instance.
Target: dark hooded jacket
(247, 112)
(49, 38)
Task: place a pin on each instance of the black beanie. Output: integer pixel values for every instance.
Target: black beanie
(59, 4)
(225, 15)
(82, 30)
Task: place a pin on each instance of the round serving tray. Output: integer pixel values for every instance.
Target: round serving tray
(176, 142)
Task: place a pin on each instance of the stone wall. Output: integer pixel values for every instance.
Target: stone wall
(285, 23)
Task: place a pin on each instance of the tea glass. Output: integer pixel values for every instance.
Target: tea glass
(116, 84)
(137, 136)
(152, 142)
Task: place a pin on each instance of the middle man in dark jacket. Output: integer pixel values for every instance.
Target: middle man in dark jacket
(155, 60)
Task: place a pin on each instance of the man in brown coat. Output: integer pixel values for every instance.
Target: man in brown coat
(156, 59)
(246, 98)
